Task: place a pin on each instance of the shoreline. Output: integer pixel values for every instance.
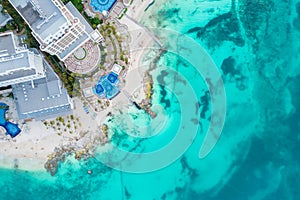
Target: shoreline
(32, 149)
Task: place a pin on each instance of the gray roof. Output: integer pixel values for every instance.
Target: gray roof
(42, 101)
(77, 14)
(14, 62)
(43, 16)
(17, 74)
(17, 63)
(83, 37)
(7, 44)
(4, 18)
(53, 88)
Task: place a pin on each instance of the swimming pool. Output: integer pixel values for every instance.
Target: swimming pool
(99, 89)
(11, 129)
(113, 78)
(107, 86)
(102, 5)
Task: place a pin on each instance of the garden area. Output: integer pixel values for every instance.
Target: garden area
(68, 124)
(94, 22)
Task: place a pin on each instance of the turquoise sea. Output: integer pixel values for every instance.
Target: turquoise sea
(254, 45)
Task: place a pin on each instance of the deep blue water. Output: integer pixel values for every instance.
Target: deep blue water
(254, 46)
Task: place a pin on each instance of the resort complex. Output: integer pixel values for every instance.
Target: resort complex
(62, 31)
(37, 90)
(64, 70)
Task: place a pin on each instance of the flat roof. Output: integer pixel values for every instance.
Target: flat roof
(16, 75)
(7, 44)
(37, 98)
(16, 63)
(40, 101)
(116, 69)
(75, 45)
(77, 14)
(43, 16)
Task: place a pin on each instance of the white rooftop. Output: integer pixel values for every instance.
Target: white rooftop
(16, 63)
(116, 69)
(44, 17)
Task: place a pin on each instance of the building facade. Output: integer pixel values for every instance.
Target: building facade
(56, 29)
(37, 90)
(18, 64)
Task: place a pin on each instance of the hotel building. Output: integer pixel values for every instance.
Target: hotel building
(36, 88)
(60, 29)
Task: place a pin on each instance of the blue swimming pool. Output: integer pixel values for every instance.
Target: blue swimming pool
(113, 78)
(102, 5)
(99, 89)
(11, 129)
(107, 86)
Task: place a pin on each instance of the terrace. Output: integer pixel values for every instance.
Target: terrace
(85, 59)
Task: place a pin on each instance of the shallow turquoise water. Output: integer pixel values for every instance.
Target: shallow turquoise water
(254, 45)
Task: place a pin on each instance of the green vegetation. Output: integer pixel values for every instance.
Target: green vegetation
(60, 119)
(10, 95)
(18, 23)
(70, 81)
(93, 21)
(61, 127)
(107, 30)
(31, 41)
(124, 12)
(77, 4)
(103, 55)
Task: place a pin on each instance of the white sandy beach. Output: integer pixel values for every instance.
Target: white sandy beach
(30, 149)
